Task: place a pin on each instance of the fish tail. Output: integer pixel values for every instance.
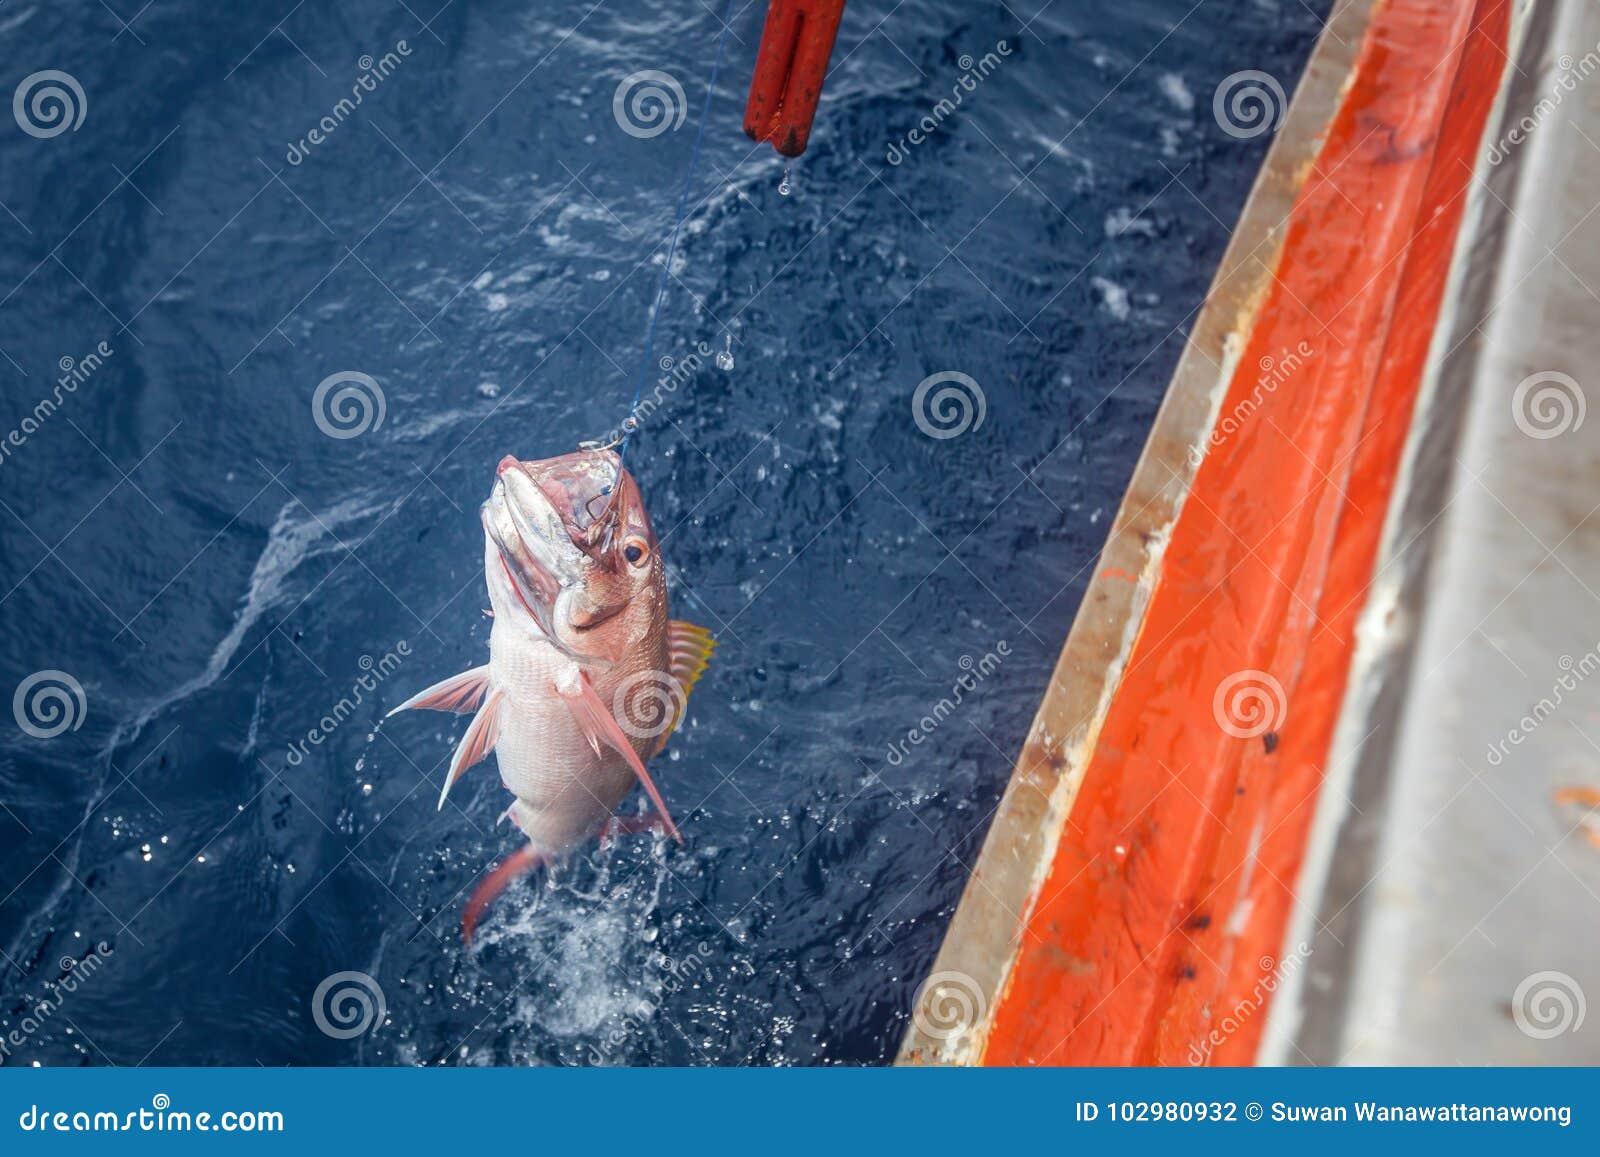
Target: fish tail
(504, 874)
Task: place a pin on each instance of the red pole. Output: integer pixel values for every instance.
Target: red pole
(790, 68)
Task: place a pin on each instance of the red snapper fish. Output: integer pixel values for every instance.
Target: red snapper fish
(587, 676)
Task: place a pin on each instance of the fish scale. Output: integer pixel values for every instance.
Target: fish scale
(564, 790)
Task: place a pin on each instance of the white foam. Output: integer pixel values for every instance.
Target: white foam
(1113, 296)
(1121, 221)
(1175, 90)
(294, 538)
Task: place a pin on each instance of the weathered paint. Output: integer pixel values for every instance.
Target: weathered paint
(1164, 906)
(989, 924)
(1443, 890)
(791, 65)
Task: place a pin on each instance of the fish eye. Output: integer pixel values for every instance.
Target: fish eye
(636, 550)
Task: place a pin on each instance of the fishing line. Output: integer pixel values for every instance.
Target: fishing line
(631, 422)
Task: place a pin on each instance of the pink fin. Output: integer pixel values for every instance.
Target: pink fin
(460, 693)
(477, 742)
(505, 873)
(599, 727)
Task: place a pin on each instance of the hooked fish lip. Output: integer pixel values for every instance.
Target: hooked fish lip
(537, 523)
(538, 556)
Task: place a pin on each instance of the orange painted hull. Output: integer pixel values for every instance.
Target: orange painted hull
(1162, 917)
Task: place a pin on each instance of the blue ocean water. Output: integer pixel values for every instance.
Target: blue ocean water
(280, 284)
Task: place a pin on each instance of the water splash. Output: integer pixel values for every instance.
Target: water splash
(785, 186)
(725, 354)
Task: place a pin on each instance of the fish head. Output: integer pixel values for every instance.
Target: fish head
(576, 553)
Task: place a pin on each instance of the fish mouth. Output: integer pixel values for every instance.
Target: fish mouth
(529, 529)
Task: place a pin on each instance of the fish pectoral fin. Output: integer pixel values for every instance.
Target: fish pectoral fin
(598, 726)
(689, 651)
(460, 693)
(479, 740)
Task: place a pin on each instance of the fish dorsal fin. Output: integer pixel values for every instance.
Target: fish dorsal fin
(479, 740)
(461, 693)
(689, 650)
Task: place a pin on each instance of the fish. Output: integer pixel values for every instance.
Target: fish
(587, 676)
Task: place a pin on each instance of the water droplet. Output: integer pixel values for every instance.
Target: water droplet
(725, 354)
(784, 186)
